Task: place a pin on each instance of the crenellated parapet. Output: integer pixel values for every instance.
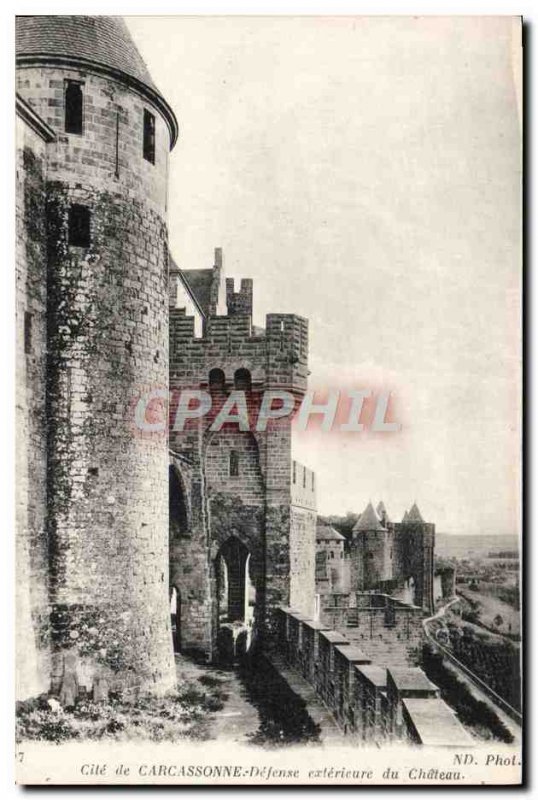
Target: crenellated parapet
(374, 702)
(239, 303)
(287, 352)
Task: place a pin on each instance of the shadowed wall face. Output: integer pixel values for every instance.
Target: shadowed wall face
(107, 342)
(32, 630)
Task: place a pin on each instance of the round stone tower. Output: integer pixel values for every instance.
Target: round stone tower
(371, 550)
(107, 342)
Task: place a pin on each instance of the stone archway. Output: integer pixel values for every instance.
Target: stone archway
(236, 592)
(235, 598)
(177, 503)
(186, 556)
(236, 523)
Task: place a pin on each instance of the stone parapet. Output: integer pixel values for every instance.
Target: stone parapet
(372, 703)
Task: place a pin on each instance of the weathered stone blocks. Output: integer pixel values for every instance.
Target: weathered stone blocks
(106, 335)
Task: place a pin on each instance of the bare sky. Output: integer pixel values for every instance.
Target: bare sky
(366, 173)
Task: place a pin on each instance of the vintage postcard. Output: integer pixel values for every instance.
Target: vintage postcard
(268, 327)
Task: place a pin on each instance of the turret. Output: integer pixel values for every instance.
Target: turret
(107, 342)
(371, 550)
(414, 545)
(381, 512)
(239, 303)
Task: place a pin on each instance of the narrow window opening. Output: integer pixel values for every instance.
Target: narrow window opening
(304, 477)
(27, 332)
(73, 107)
(117, 167)
(149, 137)
(243, 380)
(234, 464)
(217, 380)
(79, 226)
(295, 472)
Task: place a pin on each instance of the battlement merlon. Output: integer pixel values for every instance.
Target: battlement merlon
(239, 303)
(287, 352)
(230, 342)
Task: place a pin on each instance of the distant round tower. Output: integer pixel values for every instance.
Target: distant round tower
(371, 550)
(107, 340)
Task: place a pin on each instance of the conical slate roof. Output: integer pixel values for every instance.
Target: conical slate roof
(101, 42)
(414, 514)
(405, 516)
(368, 520)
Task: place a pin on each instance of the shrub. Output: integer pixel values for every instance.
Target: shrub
(471, 712)
(182, 713)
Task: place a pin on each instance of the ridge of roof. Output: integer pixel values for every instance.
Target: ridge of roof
(324, 530)
(369, 520)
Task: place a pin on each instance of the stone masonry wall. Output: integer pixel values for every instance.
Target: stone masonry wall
(402, 552)
(331, 559)
(32, 590)
(303, 559)
(278, 357)
(112, 112)
(414, 547)
(236, 507)
(364, 696)
(190, 572)
(386, 630)
(303, 539)
(108, 343)
(278, 523)
(371, 559)
(258, 508)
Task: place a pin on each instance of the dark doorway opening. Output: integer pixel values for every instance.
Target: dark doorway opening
(235, 590)
(175, 616)
(177, 506)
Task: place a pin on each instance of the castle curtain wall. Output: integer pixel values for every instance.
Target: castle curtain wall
(32, 589)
